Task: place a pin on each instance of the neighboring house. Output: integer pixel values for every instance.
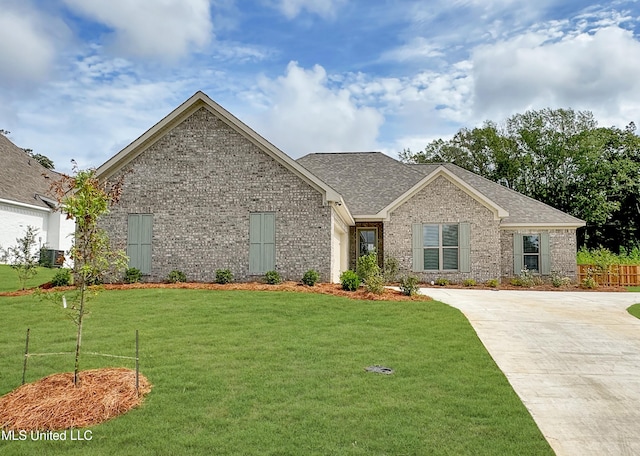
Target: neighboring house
(25, 201)
(203, 191)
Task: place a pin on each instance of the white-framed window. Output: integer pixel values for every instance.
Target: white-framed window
(531, 251)
(441, 247)
(440, 244)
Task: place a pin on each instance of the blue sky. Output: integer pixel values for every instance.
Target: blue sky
(82, 79)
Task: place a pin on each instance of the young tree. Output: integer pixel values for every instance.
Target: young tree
(85, 199)
(23, 256)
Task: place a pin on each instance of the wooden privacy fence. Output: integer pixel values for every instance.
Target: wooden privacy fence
(622, 275)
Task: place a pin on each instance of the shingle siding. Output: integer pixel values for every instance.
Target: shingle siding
(444, 202)
(201, 180)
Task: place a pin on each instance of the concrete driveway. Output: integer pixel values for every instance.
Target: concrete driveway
(572, 357)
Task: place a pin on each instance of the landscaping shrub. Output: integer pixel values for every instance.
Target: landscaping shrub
(367, 266)
(409, 285)
(391, 266)
(224, 276)
(441, 281)
(272, 277)
(559, 281)
(132, 275)
(589, 281)
(62, 278)
(469, 283)
(526, 279)
(176, 276)
(350, 280)
(493, 283)
(374, 284)
(310, 277)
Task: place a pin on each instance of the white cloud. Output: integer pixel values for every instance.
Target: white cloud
(418, 48)
(323, 8)
(302, 113)
(28, 43)
(585, 71)
(153, 28)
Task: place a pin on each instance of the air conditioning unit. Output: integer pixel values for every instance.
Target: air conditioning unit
(52, 258)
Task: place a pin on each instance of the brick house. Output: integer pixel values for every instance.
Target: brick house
(203, 191)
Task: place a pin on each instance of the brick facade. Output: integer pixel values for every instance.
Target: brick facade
(201, 180)
(562, 251)
(444, 202)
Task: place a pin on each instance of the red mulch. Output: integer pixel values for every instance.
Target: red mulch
(54, 403)
(323, 288)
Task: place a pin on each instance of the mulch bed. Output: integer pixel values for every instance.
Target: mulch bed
(323, 288)
(54, 403)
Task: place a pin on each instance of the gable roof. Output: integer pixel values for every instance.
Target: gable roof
(523, 210)
(368, 181)
(201, 100)
(23, 179)
(373, 184)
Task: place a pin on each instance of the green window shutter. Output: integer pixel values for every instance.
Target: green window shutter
(465, 247)
(146, 235)
(139, 240)
(133, 240)
(518, 260)
(268, 242)
(545, 257)
(255, 243)
(262, 245)
(417, 247)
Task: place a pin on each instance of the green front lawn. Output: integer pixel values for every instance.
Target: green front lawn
(279, 373)
(634, 289)
(9, 278)
(634, 310)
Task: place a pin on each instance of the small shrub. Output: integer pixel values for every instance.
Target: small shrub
(391, 267)
(272, 277)
(526, 279)
(132, 275)
(367, 266)
(176, 276)
(61, 278)
(350, 280)
(224, 276)
(374, 284)
(409, 286)
(310, 277)
(441, 281)
(469, 283)
(589, 281)
(558, 281)
(492, 283)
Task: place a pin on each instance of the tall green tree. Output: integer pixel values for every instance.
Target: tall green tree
(560, 157)
(85, 199)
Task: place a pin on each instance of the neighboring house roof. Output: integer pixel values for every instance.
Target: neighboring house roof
(23, 179)
(198, 101)
(373, 183)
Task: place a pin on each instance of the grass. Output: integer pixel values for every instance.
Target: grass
(9, 278)
(634, 289)
(279, 373)
(634, 310)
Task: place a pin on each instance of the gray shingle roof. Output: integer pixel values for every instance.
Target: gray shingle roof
(21, 177)
(369, 181)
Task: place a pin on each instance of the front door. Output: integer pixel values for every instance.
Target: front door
(367, 241)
